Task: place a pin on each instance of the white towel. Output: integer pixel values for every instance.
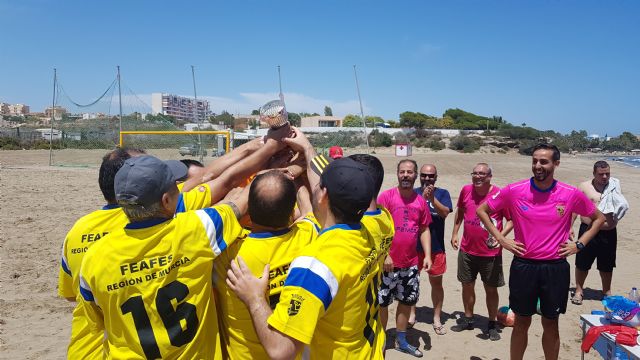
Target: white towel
(612, 201)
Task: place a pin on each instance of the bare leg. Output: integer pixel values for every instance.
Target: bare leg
(402, 316)
(493, 300)
(520, 337)
(468, 297)
(437, 296)
(606, 282)
(581, 276)
(412, 315)
(384, 316)
(550, 338)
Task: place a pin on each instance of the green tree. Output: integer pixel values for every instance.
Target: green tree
(224, 118)
(255, 112)
(328, 111)
(294, 119)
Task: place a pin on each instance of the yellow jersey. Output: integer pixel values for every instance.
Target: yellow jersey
(330, 297)
(148, 286)
(278, 249)
(84, 233)
(379, 223)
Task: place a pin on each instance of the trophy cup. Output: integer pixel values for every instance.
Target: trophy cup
(274, 114)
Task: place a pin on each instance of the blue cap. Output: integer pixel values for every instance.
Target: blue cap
(142, 180)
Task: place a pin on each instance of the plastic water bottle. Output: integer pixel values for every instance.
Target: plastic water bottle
(634, 295)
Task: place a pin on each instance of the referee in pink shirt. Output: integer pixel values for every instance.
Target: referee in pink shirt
(540, 209)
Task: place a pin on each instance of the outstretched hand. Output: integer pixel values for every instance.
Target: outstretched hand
(247, 287)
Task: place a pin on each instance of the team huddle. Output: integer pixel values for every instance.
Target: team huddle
(274, 251)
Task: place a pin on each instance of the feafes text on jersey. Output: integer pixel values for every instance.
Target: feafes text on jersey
(145, 264)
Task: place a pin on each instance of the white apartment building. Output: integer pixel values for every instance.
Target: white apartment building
(14, 109)
(181, 108)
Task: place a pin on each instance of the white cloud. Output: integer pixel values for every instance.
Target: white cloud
(295, 103)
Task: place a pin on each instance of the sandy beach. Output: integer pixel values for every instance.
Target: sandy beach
(39, 204)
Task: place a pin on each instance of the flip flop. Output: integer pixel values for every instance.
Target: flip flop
(409, 349)
(576, 299)
(440, 330)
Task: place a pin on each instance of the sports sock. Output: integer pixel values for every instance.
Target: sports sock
(492, 325)
(401, 337)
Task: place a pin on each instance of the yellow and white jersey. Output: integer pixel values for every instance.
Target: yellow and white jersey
(149, 287)
(277, 249)
(329, 300)
(85, 232)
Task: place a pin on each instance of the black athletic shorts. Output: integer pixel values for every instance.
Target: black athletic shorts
(602, 247)
(547, 280)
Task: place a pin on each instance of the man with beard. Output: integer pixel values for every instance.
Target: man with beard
(439, 204)
(602, 189)
(400, 279)
(541, 209)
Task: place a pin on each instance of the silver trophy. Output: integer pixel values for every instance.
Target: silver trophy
(274, 114)
(491, 242)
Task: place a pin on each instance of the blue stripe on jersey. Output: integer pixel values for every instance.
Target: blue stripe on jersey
(373, 212)
(219, 225)
(312, 223)
(312, 282)
(87, 295)
(343, 227)
(268, 234)
(180, 208)
(65, 267)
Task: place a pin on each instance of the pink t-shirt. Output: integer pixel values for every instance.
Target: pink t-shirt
(410, 215)
(474, 236)
(541, 219)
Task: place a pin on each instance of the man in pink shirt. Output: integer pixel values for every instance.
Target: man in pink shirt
(479, 252)
(540, 209)
(400, 279)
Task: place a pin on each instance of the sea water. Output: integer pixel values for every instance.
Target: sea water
(633, 161)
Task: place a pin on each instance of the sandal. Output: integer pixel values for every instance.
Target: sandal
(409, 349)
(440, 330)
(576, 299)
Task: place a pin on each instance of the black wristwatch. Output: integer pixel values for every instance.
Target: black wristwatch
(579, 245)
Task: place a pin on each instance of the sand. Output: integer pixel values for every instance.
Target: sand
(39, 204)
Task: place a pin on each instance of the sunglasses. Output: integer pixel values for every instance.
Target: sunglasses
(428, 175)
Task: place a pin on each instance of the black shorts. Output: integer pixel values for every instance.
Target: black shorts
(547, 280)
(402, 284)
(489, 268)
(602, 247)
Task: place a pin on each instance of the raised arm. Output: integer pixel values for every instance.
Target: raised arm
(217, 167)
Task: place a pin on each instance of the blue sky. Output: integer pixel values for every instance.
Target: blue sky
(558, 65)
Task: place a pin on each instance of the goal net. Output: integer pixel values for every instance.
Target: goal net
(202, 145)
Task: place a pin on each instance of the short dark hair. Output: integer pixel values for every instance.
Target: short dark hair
(374, 168)
(191, 162)
(111, 163)
(600, 164)
(272, 197)
(415, 164)
(545, 146)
